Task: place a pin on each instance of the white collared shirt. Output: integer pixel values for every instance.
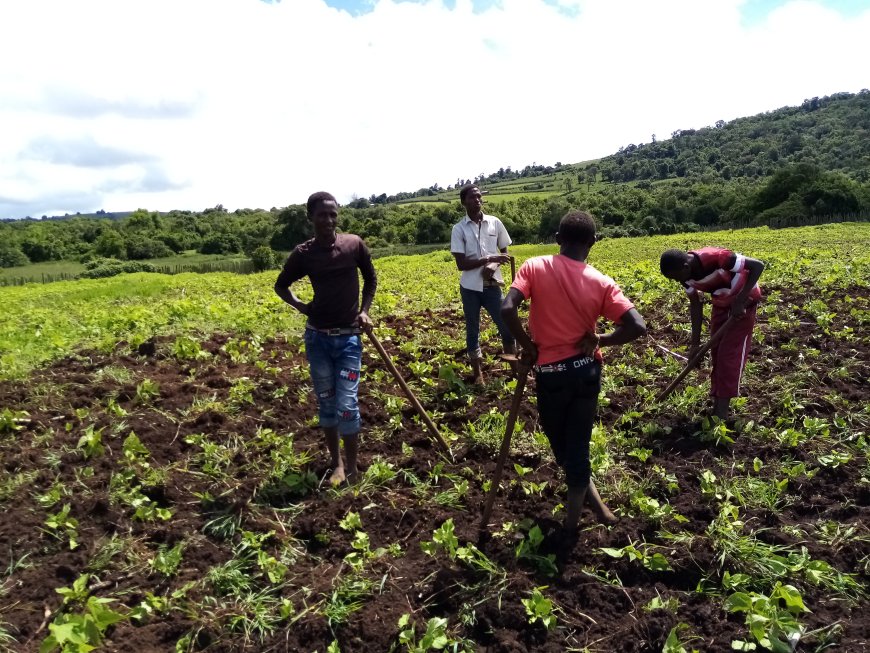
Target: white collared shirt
(477, 242)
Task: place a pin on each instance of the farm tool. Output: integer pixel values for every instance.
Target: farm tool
(696, 359)
(523, 373)
(668, 351)
(430, 425)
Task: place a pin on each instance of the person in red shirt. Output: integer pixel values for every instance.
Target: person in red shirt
(335, 320)
(732, 281)
(567, 297)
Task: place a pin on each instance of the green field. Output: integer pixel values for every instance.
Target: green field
(165, 482)
(42, 323)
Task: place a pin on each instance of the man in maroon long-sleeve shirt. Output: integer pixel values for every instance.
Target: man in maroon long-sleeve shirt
(336, 319)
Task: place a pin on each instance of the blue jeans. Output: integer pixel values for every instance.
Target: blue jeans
(335, 368)
(472, 301)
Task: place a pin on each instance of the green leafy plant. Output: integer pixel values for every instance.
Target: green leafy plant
(91, 443)
(652, 561)
(539, 608)
(62, 525)
(528, 550)
(772, 619)
(435, 638)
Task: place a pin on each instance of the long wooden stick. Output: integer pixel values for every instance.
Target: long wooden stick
(413, 399)
(696, 359)
(505, 444)
(513, 269)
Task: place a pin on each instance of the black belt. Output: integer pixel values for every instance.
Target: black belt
(564, 366)
(338, 331)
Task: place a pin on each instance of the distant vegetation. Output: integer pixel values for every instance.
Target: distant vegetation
(795, 165)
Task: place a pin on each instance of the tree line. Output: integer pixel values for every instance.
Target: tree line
(786, 166)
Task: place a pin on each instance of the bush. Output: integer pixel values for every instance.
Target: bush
(11, 257)
(101, 268)
(264, 258)
(221, 243)
(141, 248)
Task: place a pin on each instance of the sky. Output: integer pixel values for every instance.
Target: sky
(187, 104)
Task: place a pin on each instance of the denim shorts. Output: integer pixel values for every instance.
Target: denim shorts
(335, 370)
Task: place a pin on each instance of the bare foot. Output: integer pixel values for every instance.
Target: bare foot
(337, 477)
(606, 517)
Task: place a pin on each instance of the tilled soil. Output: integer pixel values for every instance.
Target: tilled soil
(601, 600)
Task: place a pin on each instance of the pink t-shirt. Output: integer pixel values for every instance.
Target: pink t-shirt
(567, 298)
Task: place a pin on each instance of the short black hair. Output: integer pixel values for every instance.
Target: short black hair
(672, 260)
(465, 190)
(577, 228)
(316, 198)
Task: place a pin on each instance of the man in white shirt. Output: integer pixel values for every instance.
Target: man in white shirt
(479, 244)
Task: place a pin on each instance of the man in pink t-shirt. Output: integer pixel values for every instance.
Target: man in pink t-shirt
(567, 298)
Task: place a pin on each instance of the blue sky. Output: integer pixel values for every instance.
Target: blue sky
(257, 104)
(753, 11)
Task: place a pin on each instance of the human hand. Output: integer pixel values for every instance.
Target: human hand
(738, 308)
(529, 355)
(501, 259)
(364, 322)
(589, 343)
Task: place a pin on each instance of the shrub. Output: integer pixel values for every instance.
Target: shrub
(220, 243)
(11, 257)
(102, 268)
(264, 258)
(139, 248)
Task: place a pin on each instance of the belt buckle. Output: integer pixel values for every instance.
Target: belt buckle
(333, 332)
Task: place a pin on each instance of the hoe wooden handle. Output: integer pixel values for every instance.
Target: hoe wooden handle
(696, 359)
(505, 444)
(411, 397)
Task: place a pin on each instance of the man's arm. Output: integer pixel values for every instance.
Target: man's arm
(370, 284)
(755, 267)
(464, 262)
(284, 291)
(509, 313)
(630, 326)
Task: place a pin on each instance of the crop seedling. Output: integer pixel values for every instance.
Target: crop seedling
(539, 608)
(167, 560)
(146, 391)
(436, 637)
(772, 619)
(528, 551)
(653, 562)
(79, 633)
(61, 524)
(91, 443)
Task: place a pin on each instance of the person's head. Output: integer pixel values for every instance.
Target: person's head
(576, 229)
(323, 213)
(674, 264)
(471, 198)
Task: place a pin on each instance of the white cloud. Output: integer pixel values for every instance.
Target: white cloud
(251, 104)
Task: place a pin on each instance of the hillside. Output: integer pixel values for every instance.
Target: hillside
(794, 165)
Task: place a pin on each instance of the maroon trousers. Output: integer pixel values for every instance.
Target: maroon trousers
(731, 352)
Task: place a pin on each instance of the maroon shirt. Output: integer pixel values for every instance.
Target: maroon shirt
(333, 275)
